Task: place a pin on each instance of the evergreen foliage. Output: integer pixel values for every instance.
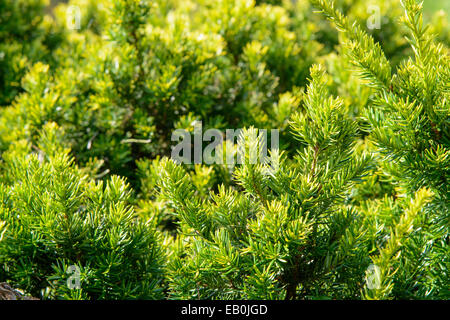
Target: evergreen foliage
(56, 217)
(26, 36)
(356, 194)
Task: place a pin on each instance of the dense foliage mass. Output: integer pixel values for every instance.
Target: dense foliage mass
(357, 206)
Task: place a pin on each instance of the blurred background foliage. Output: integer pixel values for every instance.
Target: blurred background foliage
(229, 64)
